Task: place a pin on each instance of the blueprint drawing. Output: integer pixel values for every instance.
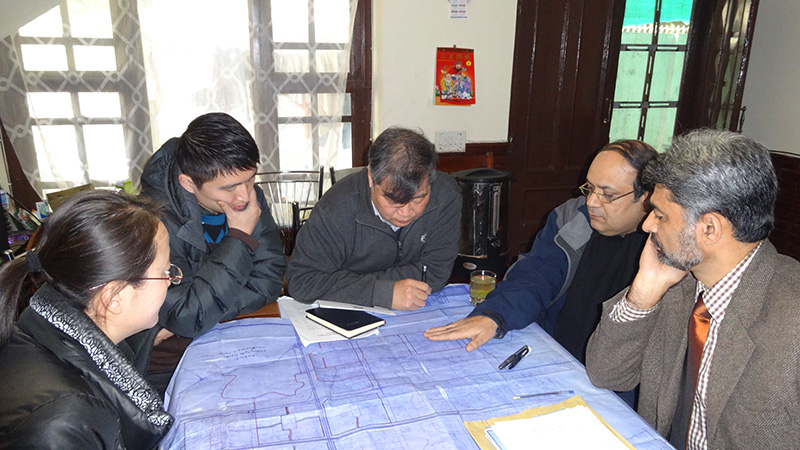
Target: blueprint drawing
(251, 384)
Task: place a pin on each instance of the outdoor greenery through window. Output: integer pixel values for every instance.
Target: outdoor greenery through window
(652, 54)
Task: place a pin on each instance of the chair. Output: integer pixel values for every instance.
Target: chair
(338, 174)
(291, 194)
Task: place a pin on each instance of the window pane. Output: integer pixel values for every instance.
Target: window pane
(333, 104)
(292, 61)
(332, 21)
(210, 41)
(675, 33)
(294, 140)
(331, 61)
(290, 20)
(667, 72)
(99, 104)
(660, 127)
(640, 15)
(90, 18)
(50, 105)
(61, 144)
(630, 76)
(294, 105)
(47, 25)
(105, 151)
(95, 58)
(336, 139)
(624, 124)
(44, 57)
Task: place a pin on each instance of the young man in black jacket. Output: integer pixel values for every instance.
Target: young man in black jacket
(221, 232)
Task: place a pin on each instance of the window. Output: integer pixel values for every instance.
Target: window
(106, 83)
(651, 59)
(77, 97)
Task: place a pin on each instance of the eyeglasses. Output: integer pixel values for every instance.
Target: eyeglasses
(588, 190)
(174, 275)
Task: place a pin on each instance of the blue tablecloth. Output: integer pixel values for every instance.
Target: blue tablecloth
(251, 384)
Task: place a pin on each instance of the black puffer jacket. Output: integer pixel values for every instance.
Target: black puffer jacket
(54, 395)
(218, 284)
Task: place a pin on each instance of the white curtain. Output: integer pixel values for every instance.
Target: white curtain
(90, 89)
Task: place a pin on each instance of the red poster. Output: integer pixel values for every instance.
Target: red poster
(455, 76)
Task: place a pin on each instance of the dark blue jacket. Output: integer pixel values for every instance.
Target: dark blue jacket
(536, 285)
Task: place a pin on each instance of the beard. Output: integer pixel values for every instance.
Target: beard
(687, 256)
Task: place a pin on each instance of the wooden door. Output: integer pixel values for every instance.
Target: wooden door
(565, 61)
(719, 50)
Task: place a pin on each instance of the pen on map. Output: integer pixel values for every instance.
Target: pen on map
(515, 358)
(543, 394)
(424, 273)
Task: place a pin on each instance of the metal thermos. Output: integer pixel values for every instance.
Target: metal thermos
(484, 221)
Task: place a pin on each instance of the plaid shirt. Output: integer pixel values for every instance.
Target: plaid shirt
(716, 298)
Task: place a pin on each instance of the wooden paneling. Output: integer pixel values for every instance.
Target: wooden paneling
(786, 235)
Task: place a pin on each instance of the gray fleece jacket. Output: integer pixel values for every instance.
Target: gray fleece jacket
(346, 253)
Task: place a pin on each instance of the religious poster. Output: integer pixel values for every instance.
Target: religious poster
(455, 76)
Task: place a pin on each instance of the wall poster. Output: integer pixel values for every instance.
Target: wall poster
(455, 76)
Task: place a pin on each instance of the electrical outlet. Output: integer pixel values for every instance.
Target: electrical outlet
(451, 141)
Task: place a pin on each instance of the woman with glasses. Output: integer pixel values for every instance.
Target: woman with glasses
(98, 275)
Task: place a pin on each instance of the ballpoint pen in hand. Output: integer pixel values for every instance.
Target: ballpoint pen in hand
(515, 358)
(425, 273)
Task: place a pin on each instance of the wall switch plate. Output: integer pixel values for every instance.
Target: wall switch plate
(451, 141)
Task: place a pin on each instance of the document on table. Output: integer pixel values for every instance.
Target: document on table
(569, 424)
(311, 332)
(576, 427)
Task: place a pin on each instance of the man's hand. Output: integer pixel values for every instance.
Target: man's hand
(653, 279)
(477, 328)
(410, 294)
(246, 219)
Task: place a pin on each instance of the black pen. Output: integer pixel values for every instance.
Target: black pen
(424, 273)
(515, 358)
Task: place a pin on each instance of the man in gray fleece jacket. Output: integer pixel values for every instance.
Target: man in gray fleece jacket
(372, 234)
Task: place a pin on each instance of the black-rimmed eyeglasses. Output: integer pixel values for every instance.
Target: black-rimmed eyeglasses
(587, 190)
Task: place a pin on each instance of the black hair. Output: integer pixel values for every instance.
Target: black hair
(638, 154)
(214, 144)
(404, 158)
(92, 239)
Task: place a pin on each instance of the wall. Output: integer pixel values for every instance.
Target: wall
(405, 36)
(772, 88)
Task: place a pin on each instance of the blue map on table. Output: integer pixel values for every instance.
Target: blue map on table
(252, 384)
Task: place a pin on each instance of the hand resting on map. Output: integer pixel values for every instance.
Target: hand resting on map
(479, 329)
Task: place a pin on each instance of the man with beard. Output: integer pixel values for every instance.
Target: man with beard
(709, 327)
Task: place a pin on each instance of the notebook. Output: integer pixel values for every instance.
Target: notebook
(346, 322)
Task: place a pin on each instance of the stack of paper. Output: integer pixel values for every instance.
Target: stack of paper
(312, 332)
(571, 424)
(574, 428)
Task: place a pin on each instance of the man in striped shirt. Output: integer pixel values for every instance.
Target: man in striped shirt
(736, 384)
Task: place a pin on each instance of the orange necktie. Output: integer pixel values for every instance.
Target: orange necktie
(698, 333)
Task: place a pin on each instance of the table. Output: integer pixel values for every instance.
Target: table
(251, 384)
